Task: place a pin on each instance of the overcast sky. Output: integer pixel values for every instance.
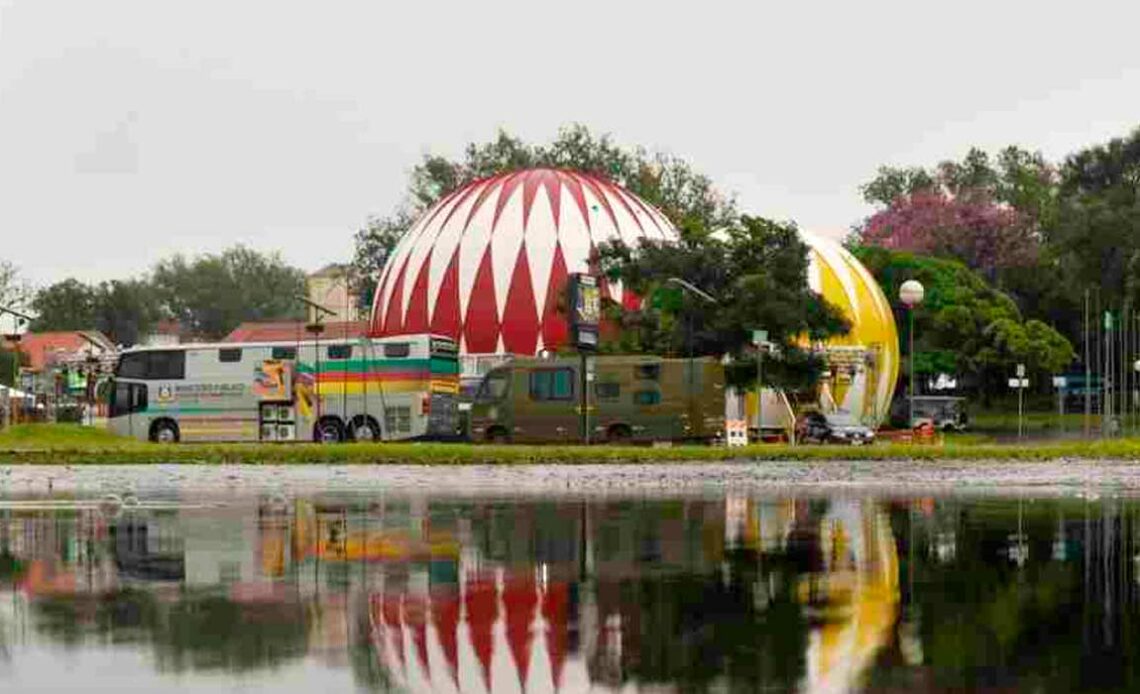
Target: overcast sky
(131, 130)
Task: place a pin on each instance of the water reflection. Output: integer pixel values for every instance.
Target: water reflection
(437, 593)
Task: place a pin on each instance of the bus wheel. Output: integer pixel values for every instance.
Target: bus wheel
(364, 429)
(330, 430)
(164, 431)
(618, 434)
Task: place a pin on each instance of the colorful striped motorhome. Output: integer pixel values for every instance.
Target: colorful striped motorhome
(350, 389)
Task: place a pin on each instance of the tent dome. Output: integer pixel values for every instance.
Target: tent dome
(487, 263)
(865, 361)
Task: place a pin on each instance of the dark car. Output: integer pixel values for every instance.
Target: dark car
(816, 427)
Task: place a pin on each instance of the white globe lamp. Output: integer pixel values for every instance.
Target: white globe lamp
(911, 294)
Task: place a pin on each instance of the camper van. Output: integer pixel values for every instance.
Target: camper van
(628, 399)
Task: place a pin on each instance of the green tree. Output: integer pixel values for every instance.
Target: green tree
(757, 271)
(126, 310)
(123, 310)
(373, 244)
(210, 295)
(1097, 231)
(65, 305)
(686, 196)
(965, 326)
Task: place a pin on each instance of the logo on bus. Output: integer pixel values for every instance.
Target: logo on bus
(165, 393)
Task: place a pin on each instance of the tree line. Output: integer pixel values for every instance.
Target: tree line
(1041, 237)
(207, 296)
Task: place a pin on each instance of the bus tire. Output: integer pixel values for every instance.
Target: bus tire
(329, 430)
(364, 429)
(619, 434)
(164, 431)
(498, 435)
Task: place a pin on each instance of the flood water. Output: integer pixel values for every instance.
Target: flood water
(721, 578)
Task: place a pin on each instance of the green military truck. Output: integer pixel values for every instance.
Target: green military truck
(630, 399)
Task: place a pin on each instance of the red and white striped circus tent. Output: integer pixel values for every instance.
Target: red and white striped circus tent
(487, 264)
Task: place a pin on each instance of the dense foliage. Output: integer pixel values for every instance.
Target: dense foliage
(756, 271)
(208, 296)
(1047, 235)
(966, 326)
(211, 294)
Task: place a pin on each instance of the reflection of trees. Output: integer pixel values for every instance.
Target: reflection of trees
(695, 630)
(1048, 625)
(196, 631)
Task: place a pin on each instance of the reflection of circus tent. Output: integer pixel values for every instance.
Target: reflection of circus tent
(857, 592)
(490, 633)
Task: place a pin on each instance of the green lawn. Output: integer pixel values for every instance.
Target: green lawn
(73, 445)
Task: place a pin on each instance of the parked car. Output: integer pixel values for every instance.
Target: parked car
(816, 427)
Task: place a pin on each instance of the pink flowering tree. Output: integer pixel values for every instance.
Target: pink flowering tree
(986, 235)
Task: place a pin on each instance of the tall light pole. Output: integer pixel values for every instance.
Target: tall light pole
(911, 294)
(707, 298)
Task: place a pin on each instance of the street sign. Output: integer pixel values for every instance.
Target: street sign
(759, 337)
(1021, 370)
(1060, 382)
(1019, 383)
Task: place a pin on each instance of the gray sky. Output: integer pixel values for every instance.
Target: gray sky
(130, 130)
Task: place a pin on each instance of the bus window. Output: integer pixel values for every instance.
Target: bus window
(552, 384)
(284, 353)
(397, 350)
(132, 365)
(647, 372)
(607, 391)
(229, 355)
(166, 365)
(340, 351)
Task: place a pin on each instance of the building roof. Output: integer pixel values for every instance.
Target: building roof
(42, 347)
(337, 270)
(284, 331)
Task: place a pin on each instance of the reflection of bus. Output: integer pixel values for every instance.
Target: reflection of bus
(331, 390)
(631, 398)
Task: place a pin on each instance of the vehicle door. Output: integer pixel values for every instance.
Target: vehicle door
(128, 409)
(547, 404)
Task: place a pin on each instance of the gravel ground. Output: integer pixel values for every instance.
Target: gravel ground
(879, 478)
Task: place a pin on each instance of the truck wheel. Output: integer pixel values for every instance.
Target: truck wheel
(164, 431)
(618, 434)
(330, 430)
(497, 435)
(364, 429)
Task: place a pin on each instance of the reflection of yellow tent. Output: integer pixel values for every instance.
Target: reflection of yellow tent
(857, 593)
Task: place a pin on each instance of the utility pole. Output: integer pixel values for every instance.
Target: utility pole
(1088, 367)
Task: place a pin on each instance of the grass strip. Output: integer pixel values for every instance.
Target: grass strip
(74, 445)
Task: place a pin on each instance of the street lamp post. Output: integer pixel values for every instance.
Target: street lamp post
(911, 294)
(707, 298)
(1136, 368)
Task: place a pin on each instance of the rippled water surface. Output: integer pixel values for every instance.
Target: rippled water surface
(833, 577)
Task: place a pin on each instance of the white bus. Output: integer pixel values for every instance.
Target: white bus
(315, 390)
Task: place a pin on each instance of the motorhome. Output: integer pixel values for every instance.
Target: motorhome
(628, 398)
